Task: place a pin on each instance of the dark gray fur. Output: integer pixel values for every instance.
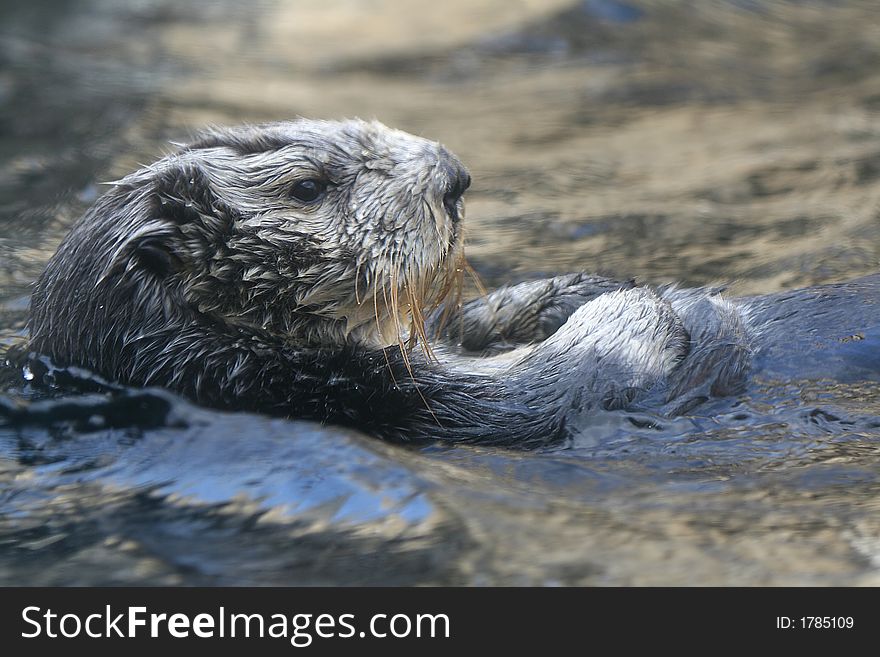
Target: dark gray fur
(200, 275)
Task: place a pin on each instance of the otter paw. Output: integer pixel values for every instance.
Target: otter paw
(632, 332)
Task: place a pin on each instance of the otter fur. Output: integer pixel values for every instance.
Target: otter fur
(288, 269)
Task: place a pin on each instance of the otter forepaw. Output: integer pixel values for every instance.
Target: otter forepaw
(634, 327)
(627, 340)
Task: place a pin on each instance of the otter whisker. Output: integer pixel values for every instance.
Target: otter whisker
(475, 277)
(405, 346)
(376, 308)
(357, 278)
(391, 303)
(450, 289)
(417, 323)
(456, 297)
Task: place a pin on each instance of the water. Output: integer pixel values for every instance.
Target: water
(734, 142)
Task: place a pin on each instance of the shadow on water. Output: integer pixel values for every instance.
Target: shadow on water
(727, 141)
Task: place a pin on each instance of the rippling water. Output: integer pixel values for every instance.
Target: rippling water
(698, 142)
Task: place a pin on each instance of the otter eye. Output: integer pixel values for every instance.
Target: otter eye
(309, 190)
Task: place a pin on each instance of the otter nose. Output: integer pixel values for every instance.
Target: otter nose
(459, 180)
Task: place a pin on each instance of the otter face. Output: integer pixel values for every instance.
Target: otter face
(321, 231)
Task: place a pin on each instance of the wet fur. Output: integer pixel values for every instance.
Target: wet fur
(199, 274)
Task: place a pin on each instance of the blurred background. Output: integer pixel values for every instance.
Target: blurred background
(733, 141)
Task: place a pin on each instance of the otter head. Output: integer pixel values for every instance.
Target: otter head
(326, 231)
(316, 231)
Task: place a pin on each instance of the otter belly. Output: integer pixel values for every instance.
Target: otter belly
(822, 332)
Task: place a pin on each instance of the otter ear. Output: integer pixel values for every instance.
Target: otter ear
(145, 248)
(154, 254)
(181, 209)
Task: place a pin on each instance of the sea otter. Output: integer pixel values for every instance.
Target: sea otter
(289, 268)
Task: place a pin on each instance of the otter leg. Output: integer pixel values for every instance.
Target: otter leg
(527, 312)
(722, 346)
(610, 353)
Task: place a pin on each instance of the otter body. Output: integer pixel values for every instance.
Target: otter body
(827, 332)
(281, 269)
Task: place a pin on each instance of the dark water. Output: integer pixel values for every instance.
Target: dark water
(697, 142)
